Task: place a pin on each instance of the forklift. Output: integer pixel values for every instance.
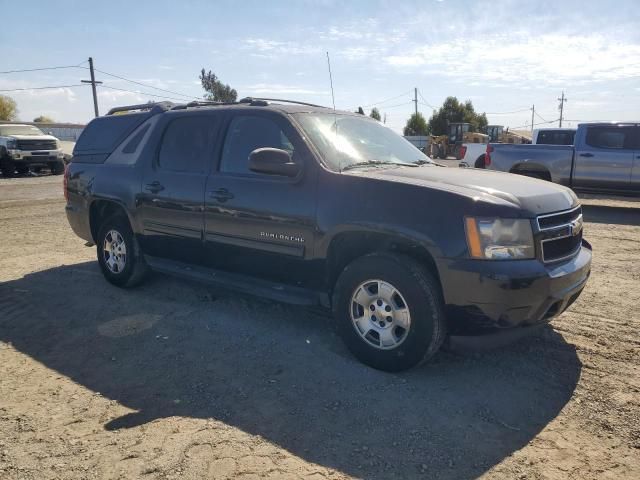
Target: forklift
(443, 146)
(497, 134)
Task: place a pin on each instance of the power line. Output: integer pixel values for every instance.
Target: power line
(141, 93)
(398, 105)
(387, 100)
(541, 117)
(43, 88)
(147, 85)
(425, 101)
(539, 123)
(528, 109)
(43, 68)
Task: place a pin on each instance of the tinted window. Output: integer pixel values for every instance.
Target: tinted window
(610, 137)
(186, 144)
(245, 134)
(555, 137)
(132, 144)
(105, 133)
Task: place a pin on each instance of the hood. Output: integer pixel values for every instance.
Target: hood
(529, 194)
(33, 137)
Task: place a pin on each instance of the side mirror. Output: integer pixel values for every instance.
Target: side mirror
(272, 161)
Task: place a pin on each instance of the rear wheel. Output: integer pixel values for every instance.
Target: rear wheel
(119, 254)
(534, 174)
(389, 311)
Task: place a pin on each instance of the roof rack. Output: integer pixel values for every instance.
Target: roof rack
(203, 103)
(261, 99)
(153, 107)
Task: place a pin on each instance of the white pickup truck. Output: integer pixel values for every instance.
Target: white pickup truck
(26, 147)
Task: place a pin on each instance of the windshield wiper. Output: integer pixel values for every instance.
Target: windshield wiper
(370, 163)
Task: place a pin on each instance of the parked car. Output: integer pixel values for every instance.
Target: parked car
(308, 205)
(554, 136)
(605, 159)
(24, 147)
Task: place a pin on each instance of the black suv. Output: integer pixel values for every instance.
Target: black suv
(308, 205)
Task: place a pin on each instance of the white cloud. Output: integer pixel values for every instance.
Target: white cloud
(551, 59)
(272, 48)
(271, 88)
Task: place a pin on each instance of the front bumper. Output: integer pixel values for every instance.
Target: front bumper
(482, 295)
(35, 157)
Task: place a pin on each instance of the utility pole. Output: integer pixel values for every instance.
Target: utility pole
(415, 99)
(93, 87)
(533, 112)
(561, 107)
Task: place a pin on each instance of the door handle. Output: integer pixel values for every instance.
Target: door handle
(154, 187)
(586, 155)
(221, 194)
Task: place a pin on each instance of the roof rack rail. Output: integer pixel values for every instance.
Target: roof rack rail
(261, 99)
(201, 103)
(154, 107)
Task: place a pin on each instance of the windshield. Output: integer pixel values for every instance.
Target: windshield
(19, 130)
(347, 140)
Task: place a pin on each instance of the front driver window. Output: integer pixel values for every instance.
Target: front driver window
(245, 134)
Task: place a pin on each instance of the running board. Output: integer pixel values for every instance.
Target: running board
(239, 283)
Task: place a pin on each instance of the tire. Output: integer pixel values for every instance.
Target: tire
(122, 272)
(37, 169)
(370, 279)
(7, 166)
(57, 168)
(22, 170)
(539, 175)
(479, 162)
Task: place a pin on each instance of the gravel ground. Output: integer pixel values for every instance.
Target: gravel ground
(173, 380)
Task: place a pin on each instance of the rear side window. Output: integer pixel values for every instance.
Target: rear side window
(132, 144)
(247, 133)
(610, 137)
(186, 144)
(103, 134)
(555, 137)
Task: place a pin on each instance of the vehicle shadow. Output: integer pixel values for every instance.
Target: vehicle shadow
(168, 348)
(611, 214)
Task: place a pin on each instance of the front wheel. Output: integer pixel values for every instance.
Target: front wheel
(119, 255)
(57, 168)
(389, 311)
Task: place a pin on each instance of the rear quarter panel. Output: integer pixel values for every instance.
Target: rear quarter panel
(557, 159)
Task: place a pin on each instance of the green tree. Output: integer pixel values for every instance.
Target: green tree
(8, 109)
(416, 125)
(216, 90)
(454, 111)
(375, 114)
(360, 110)
(43, 119)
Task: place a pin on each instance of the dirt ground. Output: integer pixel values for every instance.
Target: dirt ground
(173, 380)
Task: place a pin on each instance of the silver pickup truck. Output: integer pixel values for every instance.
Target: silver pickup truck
(604, 159)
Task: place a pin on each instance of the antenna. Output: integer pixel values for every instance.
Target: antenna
(335, 117)
(333, 98)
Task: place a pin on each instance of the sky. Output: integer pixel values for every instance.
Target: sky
(504, 56)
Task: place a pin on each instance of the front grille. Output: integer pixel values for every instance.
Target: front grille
(36, 144)
(560, 234)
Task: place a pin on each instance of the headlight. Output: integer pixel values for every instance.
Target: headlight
(499, 238)
(12, 144)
